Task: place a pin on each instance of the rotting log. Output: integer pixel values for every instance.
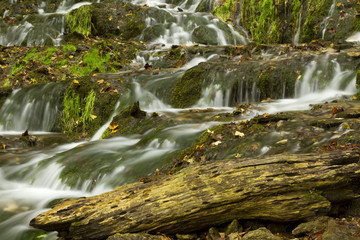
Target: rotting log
(286, 187)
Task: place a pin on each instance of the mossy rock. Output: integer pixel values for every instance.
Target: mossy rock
(187, 90)
(205, 35)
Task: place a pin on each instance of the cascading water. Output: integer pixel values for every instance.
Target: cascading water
(324, 24)
(30, 181)
(33, 108)
(44, 28)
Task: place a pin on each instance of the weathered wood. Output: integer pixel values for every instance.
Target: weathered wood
(284, 187)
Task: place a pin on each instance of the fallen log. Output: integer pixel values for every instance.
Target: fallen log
(282, 188)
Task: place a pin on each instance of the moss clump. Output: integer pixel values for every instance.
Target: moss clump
(224, 11)
(68, 48)
(79, 20)
(49, 54)
(262, 20)
(94, 60)
(187, 90)
(317, 10)
(71, 113)
(16, 68)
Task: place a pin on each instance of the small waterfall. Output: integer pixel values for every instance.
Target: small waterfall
(37, 29)
(298, 31)
(187, 27)
(33, 108)
(325, 22)
(321, 76)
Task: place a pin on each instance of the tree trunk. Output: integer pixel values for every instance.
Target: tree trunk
(282, 188)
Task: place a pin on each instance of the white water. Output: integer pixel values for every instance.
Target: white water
(41, 29)
(29, 181)
(324, 24)
(33, 108)
(298, 31)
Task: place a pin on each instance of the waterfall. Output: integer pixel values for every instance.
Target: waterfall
(325, 22)
(34, 108)
(298, 31)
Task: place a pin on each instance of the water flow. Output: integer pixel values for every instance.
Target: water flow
(324, 24)
(33, 108)
(298, 31)
(172, 26)
(37, 29)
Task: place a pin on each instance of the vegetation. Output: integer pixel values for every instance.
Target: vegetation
(79, 20)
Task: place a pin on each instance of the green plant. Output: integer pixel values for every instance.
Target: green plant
(79, 20)
(16, 68)
(94, 60)
(68, 48)
(72, 110)
(88, 110)
(49, 54)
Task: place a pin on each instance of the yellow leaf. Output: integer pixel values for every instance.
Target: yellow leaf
(108, 84)
(339, 4)
(110, 18)
(114, 131)
(76, 81)
(27, 10)
(93, 117)
(100, 81)
(71, 56)
(354, 98)
(266, 115)
(113, 126)
(299, 77)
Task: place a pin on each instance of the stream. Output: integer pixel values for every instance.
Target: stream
(31, 181)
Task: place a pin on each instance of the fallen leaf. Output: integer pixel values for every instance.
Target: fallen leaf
(217, 143)
(113, 126)
(108, 84)
(93, 117)
(100, 81)
(110, 18)
(76, 82)
(239, 134)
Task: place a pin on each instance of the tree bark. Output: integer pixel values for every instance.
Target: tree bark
(282, 188)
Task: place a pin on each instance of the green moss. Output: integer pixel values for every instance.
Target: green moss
(317, 10)
(72, 111)
(224, 10)
(261, 18)
(33, 54)
(16, 68)
(49, 53)
(187, 90)
(79, 20)
(94, 60)
(68, 48)
(89, 107)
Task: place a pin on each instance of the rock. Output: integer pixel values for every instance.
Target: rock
(260, 234)
(234, 236)
(213, 233)
(186, 236)
(233, 227)
(135, 236)
(316, 225)
(205, 35)
(342, 229)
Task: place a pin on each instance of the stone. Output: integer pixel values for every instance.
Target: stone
(316, 225)
(233, 227)
(213, 233)
(186, 236)
(260, 234)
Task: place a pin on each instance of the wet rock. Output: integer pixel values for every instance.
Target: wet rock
(186, 236)
(213, 233)
(317, 225)
(233, 227)
(341, 229)
(205, 35)
(260, 234)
